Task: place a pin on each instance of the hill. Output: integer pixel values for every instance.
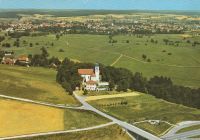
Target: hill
(180, 63)
(36, 84)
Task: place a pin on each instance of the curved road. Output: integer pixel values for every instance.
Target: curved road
(125, 125)
(180, 126)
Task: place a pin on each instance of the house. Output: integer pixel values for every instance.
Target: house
(23, 59)
(8, 58)
(92, 79)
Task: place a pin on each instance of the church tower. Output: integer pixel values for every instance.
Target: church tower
(97, 72)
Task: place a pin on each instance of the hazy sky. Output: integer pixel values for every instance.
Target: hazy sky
(102, 4)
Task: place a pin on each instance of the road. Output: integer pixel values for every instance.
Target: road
(125, 125)
(179, 127)
(59, 132)
(40, 103)
(183, 135)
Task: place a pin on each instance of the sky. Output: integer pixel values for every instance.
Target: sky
(102, 4)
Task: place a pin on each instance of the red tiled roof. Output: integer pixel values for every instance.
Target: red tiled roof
(91, 82)
(23, 58)
(86, 71)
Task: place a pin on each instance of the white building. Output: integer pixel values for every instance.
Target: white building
(92, 79)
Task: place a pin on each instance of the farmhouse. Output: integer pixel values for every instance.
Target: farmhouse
(92, 79)
(8, 58)
(23, 59)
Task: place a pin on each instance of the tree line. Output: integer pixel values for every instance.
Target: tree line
(122, 79)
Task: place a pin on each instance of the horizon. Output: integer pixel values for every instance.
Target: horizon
(155, 5)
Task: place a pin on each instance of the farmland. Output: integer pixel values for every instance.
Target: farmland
(106, 133)
(166, 60)
(144, 107)
(33, 83)
(32, 118)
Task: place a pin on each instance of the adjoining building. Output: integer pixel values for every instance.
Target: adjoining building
(92, 79)
(23, 60)
(8, 58)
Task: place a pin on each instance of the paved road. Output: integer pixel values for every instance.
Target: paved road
(59, 132)
(119, 122)
(180, 126)
(40, 103)
(183, 135)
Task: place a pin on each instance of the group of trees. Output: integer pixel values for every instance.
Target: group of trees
(18, 34)
(2, 38)
(43, 59)
(121, 79)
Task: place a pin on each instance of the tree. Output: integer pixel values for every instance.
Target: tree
(139, 82)
(57, 36)
(44, 52)
(144, 56)
(61, 50)
(67, 87)
(148, 60)
(31, 45)
(85, 92)
(111, 85)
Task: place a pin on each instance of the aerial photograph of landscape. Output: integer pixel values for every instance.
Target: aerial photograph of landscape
(99, 69)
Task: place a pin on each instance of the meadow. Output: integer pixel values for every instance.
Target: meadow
(33, 83)
(28, 118)
(180, 63)
(145, 107)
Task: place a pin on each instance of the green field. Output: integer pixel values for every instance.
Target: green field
(113, 132)
(33, 83)
(194, 127)
(146, 107)
(183, 65)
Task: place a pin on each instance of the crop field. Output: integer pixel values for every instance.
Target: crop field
(18, 118)
(113, 132)
(33, 83)
(179, 62)
(91, 98)
(145, 107)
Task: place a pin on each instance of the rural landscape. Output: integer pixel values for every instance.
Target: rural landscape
(93, 74)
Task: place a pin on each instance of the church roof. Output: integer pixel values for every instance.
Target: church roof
(86, 71)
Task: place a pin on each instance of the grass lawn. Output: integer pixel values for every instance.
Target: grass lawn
(95, 48)
(194, 127)
(33, 83)
(17, 118)
(146, 107)
(112, 132)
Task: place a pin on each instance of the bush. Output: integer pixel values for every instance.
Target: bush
(85, 92)
(61, 50)
(148, 60)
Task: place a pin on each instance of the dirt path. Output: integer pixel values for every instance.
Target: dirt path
(121, 55)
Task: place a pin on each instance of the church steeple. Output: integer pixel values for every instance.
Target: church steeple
(97, 72)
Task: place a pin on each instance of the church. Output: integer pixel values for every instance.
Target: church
(92, 79)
